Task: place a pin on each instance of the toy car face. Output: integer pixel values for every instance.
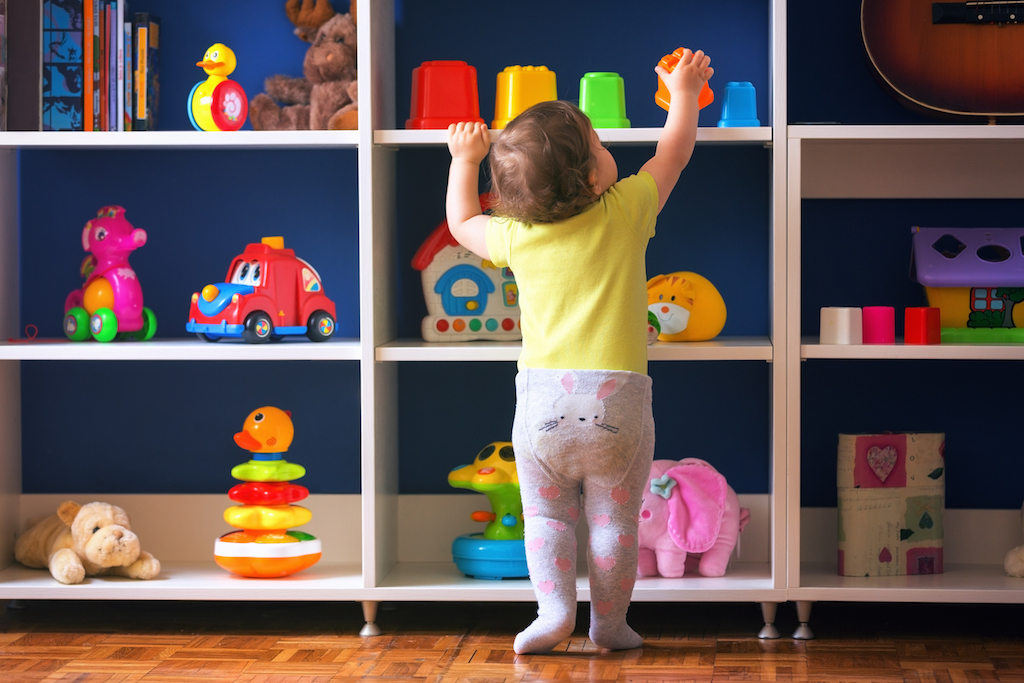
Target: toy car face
(268, 293)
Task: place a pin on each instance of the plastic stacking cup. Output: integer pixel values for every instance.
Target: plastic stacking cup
(519, 88)
(739, 106)
(879, 325)
(841, 325)
(662, 96)
(443, 92)
(603, 99)
(921, 326)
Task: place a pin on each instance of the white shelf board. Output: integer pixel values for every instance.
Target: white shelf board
(190, 581)
(959, 583)
(623, 136)
(180, 139)
(443, 581)
(810, 348)
(180, 349)
(935, 133)
(722, 348)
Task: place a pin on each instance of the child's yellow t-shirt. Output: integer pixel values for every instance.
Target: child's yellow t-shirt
(583, 281)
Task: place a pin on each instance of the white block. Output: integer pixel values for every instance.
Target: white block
(841, 325)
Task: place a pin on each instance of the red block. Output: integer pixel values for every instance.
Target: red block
(921, 326)
(443, 92)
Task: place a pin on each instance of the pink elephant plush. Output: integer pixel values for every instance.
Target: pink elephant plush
(688, 510)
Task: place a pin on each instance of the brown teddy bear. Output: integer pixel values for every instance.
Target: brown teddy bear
(85, 540)
(327, 98)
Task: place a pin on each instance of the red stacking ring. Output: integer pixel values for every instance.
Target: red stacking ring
(267, 493)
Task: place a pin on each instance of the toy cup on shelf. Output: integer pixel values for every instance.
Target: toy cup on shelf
(603, 99)
(663, 97)
(443, 92)
(109, 304)
(879, 324)
(739, 106)
(841, 325)
(264, 546)
(218, 103)
(519, 88)
(499, 552)
(921, 326)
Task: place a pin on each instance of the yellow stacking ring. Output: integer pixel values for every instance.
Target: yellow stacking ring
(267, 516)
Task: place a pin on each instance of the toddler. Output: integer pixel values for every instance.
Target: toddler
(576, 236)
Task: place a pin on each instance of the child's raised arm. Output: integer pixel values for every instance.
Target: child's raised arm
(675, 146)
(468, 144)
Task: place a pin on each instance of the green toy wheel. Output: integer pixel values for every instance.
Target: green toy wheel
(148, 325)
(76, 324)
(103, 325)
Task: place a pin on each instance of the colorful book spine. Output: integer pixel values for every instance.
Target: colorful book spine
(87, 46)
(147, 71)
(119, 29)
(63, 64)
(127, 32)
(104, 84)
(96, 4)
(112, 34)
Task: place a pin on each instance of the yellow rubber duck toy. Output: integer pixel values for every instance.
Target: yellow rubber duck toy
(218, 103)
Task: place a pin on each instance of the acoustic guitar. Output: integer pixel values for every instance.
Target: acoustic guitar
(948, 59)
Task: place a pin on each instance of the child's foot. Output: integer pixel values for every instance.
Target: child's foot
(541, 636)
(609, 637)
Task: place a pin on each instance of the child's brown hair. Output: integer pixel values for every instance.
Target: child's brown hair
(541, 164)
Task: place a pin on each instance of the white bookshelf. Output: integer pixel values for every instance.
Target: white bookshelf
(880, 162)
(378, 561)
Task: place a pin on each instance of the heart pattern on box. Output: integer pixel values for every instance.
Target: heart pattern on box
(882, 460)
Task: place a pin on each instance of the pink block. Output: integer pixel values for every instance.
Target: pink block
(879, 324)
(921, 326)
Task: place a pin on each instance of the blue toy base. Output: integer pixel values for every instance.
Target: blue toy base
(479, 558)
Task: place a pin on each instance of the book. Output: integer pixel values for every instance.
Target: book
(146, 44)
(63, 65)
(126, 31)
(119, 28)
(87, 47)
(111, 65)
(101, 66)
(96, 10)
(3, 64)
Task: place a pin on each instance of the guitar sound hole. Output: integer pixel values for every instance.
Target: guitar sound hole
(993, 253)
(949, 246)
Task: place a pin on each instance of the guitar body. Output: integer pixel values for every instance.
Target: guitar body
(948, 70)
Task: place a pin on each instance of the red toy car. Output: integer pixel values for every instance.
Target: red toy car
(268, 293)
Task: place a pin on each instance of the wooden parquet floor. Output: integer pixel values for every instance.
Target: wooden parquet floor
(201, 642)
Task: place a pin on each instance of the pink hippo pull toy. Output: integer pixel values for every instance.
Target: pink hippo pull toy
(688, 510)
(110, 302)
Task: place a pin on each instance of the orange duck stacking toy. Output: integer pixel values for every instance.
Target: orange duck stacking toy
(265, 546)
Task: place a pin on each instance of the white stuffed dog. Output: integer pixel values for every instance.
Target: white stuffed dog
(85, 540)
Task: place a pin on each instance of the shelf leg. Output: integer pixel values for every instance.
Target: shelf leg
(768, 631)
(803, 615)
(370, 628)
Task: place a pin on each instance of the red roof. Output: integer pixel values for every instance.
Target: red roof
(440, 238)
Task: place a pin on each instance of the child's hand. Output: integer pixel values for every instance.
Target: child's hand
(689, 76)
(469, 141)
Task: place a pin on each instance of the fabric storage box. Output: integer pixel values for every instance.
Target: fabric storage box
(892, 492)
